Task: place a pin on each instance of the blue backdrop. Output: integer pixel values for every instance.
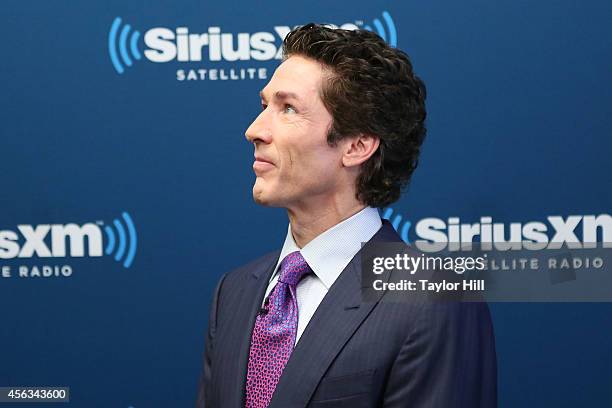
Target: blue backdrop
(138, 140)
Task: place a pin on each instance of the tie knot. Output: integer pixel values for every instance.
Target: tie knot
(293, 268)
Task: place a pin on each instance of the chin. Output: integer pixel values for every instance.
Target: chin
(259, 196)
(267, 200)
(260, 200)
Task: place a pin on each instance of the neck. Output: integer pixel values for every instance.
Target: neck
(309, 221)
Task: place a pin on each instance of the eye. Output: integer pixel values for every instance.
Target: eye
(289, 109)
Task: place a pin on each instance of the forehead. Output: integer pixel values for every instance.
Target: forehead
(299, 75)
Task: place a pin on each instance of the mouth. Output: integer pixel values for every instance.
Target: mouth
(261, 164)
(263, 160)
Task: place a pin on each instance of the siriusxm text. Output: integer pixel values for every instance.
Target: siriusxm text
(434, 234)
(51, 240)
(165, 45)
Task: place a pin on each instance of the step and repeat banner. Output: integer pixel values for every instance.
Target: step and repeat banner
(126, 176)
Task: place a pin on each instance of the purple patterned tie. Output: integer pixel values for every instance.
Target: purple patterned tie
(274, 333)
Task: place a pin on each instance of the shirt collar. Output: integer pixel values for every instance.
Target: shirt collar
(330, 252)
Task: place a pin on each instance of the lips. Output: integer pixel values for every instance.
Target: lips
(263, 159)
(262, 164)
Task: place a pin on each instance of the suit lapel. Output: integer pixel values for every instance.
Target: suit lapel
(244, 316)
(333, 324)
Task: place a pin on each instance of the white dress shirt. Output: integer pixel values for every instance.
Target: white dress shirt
(327, 255)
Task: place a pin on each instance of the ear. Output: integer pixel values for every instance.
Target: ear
(358, 149)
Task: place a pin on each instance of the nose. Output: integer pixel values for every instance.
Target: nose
(259, 129)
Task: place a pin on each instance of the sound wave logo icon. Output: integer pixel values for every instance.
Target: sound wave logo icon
(379, 29)
(125, 52)
(396, 222)
(124, 242)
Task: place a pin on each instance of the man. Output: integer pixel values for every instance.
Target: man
(339, 135)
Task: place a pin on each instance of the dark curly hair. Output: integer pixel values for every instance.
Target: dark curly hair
(371, 90)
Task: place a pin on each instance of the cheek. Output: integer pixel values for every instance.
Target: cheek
(307, 163)
(293, 159)
(314, 166)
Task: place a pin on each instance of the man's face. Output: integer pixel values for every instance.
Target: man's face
(293, 162)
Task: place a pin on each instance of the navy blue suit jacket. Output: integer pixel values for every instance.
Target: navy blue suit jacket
(354, 354)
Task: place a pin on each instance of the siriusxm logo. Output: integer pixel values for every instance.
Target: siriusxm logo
(163, 44)
(397, 222)
(114, 38)
(62, 240)
(380, 29)
(575, 231)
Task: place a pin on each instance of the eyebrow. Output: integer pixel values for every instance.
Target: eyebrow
(281, 95)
